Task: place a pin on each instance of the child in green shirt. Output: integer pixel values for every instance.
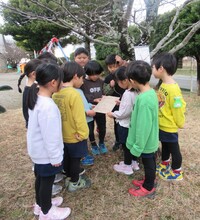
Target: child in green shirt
(142, 140)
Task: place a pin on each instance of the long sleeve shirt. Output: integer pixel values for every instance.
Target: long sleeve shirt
(72, 111)
(171, 107)
(44, 135)
(87, 105)
(143, 130)
(123, 115)
(92, 89)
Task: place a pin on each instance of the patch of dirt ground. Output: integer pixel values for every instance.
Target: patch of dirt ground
(108, 197)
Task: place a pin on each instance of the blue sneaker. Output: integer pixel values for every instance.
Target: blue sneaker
(103, 149)
(95, 150)
(87, 161)
(170, 175)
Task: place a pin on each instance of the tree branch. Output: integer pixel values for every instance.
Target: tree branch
(186, 39)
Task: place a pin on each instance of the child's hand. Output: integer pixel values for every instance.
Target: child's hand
(120, 61)
(57, 165)
(110, 114)
(78, 137)
(97, 100)
(118, 102)
(91, 113)
(112, 83)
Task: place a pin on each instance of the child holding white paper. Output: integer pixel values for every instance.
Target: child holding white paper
(93, 91)
(122, 118)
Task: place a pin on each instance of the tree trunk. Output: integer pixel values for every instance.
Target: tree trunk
(87, 47)
(198, 74)
(120, 22)
(87, 41)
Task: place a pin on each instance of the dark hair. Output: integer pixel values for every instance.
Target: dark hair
(110, 59)
(45, 73)
(167, 60)
(70, 69)
(29, 68)
(47, 56)
(120, 73)
(81, 50)
(139, 71)
(93, 68)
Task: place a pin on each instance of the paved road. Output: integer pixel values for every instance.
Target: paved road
(185, 82)
(12, 99)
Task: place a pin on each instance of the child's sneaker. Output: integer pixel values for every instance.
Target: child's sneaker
(57, 201)
(142, 192)
(103, 149)
(123, 168)
(81, 184)
(162, 167)
(82, 171)
(56, 189)
(88, 160)
(67, 180)
(134, 165)
(95, 150)
(116, 146)
(58, 177)
(171, 175)
(55, 213)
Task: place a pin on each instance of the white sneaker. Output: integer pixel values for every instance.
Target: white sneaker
(58, 177)
(55, 213)
(57, 201)
(123, 168)
(56, 189)
(134, 165)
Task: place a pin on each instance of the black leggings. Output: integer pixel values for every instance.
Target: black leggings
(128, 157)
(173, 149)
(43, 190)
(101, 124)
(150, 172)
(71, 166)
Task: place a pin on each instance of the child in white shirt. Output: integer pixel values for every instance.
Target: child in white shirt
(122, 117)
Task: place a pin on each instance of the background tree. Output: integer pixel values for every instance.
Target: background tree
(29, 34)
(91, 19)
(190, 15)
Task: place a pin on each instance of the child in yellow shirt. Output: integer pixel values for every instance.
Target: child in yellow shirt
(171, 116)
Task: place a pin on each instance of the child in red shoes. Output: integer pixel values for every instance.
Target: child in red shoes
(142, 140)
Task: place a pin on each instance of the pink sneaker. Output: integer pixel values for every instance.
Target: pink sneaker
(57, 201)
(134, 165)
(55, 213)
(123, 168)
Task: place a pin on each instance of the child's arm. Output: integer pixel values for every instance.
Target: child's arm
(178, 106)
(87, 106)
(125, 107)
(108, 85)
(78, 114)
(50, 125)
(107, 89)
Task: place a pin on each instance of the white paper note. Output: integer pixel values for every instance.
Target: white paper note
(106, 104)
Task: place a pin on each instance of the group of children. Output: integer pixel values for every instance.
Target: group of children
(58, 108)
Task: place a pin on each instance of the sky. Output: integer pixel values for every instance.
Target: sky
(138, 4)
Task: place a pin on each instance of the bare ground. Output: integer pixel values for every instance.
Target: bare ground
(108, 197)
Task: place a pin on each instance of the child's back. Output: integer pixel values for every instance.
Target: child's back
(72, 111)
